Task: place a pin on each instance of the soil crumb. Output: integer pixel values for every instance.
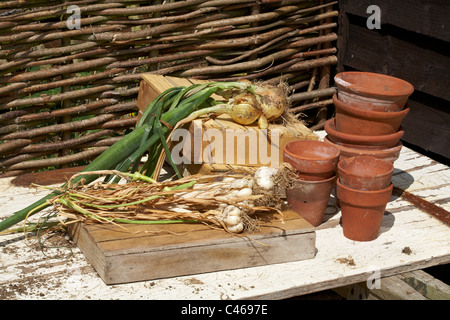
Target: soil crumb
(348, 261)
(407, 250)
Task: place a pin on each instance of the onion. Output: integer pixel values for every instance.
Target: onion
(272, 100)
(244, 109)
(267, 103)
(229, 92)
(262, 122)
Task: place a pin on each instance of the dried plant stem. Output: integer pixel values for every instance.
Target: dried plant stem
(142, 200)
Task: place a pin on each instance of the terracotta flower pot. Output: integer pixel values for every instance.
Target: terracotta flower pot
(348, 151)
(365, 173)
(314, 160)
(372, 91)
(386, 140)
(362, 211)
(310, 198)
(354, 120)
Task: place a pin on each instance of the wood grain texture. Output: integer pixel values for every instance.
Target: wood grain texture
(429, 17)
(135, 253)
(410, 239)
(412, 44)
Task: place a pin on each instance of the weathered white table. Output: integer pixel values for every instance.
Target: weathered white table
(410, 239)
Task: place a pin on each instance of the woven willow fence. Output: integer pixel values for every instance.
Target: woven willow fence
(69, 79)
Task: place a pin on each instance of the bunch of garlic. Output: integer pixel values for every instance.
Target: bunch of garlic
(235, 195)
(231, 216)
(240, 190)
(237, 190)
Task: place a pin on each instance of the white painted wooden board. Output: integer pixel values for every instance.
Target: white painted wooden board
(410, 239)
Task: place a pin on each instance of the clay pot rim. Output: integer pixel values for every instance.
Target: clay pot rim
(316, 181)
(370, 114)
(384, 151)
(352, 87)
(356, 146)
(335, 154)
(348, 173)
(359, 139)
(365, 192)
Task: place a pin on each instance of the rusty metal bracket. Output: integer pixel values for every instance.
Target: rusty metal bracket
(430, 208)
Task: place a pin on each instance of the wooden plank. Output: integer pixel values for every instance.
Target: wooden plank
(224, 142)
(426, 284)
(412, 285)
(393, 288)
(427, 124)
(343, 37)
(389, 288)
(177, 82)
(429, 17)
(147, 93)
(135, 252)
(64, 273)
(425, 66)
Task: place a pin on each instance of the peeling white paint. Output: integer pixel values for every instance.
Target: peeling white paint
(63, 273)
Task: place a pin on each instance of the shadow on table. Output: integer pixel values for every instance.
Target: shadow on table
(402, 180)
(332, 208)
(387, 222)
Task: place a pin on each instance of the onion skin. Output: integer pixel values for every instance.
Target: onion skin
(272, 100)
(262, 122)
(244, 109)
(255, 102)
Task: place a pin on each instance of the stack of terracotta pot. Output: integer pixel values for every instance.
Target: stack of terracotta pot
(367, 129)
(356, 156)
(315, 163)
(364, 188)
(369, 110)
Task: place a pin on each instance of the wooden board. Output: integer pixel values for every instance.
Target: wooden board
(411, 238)
(240, 145)
(412, 285)
(136, 252)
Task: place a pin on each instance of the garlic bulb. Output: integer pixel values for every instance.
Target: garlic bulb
(228, 179)
(245, 192)
(264, 177)
(231, 210)
(241, 183)
(238, 228)
(232, 220)
(232, 217)
(240, 188)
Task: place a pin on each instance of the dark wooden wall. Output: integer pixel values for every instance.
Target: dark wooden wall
(413, 43)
